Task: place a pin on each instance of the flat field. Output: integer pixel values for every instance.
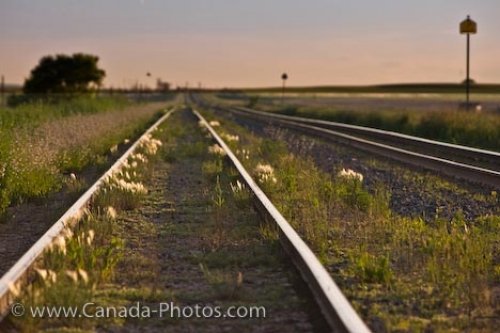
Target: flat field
(431, 115)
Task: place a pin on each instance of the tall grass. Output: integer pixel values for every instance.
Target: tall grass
(460, 127)
(480, 130)
(43, 144)
(84, 257)
(30, 114)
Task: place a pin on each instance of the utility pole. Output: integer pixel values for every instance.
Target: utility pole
(468, 27)
(284, 77)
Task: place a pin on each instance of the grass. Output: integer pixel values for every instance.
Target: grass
(442, 88)
(40, 145)
(458, 127)
(402, 273)
(74, 270)
(31, 114)
(467, 128)
(68, 273)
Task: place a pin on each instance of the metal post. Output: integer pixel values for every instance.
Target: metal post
(467, 82)
(468, 27)
(283, 93)
(284, 77)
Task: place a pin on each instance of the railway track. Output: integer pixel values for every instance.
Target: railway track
(18, 275)
(335, 308)
(466, 163)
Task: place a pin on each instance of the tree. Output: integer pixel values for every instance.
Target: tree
(64, 74)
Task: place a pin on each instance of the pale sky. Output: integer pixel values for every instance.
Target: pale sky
(245, 43)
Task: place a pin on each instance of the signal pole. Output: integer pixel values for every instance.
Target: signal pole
(284, 77)
(468, 27)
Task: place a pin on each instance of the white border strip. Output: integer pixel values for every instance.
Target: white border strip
(12, 278)
(351, 320)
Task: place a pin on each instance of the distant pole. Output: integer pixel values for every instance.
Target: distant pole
(467, 79)
(284, 77)
(468, 27)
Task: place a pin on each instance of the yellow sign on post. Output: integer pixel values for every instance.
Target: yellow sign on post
(468, 26)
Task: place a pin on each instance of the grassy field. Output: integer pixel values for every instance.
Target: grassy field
(402, 274)
(441, 88)
(41, 145)
(436, 117)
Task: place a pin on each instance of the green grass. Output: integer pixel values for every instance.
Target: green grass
(460, 127)
(31, 114)
(441, 88)
(480, 130)
(400, 272)
(85, 257)
(41, 144)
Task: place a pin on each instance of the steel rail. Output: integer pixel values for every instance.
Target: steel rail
(335, 307)
(440, 165)
(471, 153)
(17, 275)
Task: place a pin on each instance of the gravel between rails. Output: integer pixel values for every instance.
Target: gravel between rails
(172, 233)
(413, 193)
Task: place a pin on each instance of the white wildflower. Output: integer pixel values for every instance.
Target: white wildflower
(351, 174)
(14, 289)
(264, 168)
(214, 123)
(86, 212)
(90, 237)
(216, 150)
(230, 138)
(150, 144)
(126, 141)
(244, 153)
(114, 149)
(238, 187)
(72, 176)
(111, 213)
(51, 276)
(42, 273)
(73, 275)
(83, 274)
(265, 173)
(139, 158)
(67, 233)
(60, 244)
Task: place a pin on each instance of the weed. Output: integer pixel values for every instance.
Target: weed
(441, 268)
(226, 285)
(372, 269)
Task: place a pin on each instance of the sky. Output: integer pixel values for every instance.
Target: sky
(250, 43)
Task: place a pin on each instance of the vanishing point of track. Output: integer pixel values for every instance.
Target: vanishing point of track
(335, 308)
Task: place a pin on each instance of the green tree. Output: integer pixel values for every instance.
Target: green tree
(64, 74)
